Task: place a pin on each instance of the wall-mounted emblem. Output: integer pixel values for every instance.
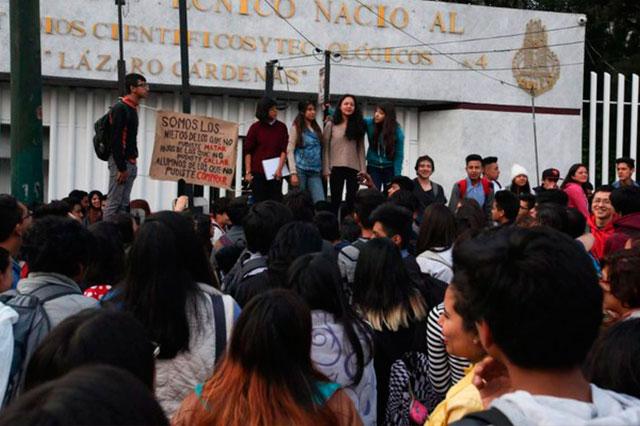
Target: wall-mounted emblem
(535, 67)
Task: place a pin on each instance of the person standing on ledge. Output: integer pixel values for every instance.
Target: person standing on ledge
(343, 151)
(473, 186)
(266, 139)
(386, 146)
(124, 145)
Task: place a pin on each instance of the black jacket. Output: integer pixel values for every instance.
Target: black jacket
(124, 122)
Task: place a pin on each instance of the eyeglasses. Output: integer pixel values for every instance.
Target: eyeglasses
(146, 85)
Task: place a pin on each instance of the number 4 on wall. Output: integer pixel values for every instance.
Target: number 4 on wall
(482, 62)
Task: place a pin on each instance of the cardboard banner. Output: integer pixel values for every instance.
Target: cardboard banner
(200, 150)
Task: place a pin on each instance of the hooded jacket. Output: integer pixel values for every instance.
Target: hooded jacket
(600, 236)
(607, 409)
(628, 224)
(177, 377)
(625, 227)
(61, 307)
(8, 317)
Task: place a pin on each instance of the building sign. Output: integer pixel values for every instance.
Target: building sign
(200, 150)
(409, 49)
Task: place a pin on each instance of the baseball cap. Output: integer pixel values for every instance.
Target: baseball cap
(551, 174)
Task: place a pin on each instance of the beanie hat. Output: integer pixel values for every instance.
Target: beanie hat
(517, 170)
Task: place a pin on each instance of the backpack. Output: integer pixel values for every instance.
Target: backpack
(30, 329)
(103, 137)
(240, 270)
(409, 382)
(462, 187)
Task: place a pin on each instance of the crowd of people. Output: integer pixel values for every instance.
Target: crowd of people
(395, 304)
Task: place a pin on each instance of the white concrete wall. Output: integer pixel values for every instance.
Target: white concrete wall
(77, 42)
(448, 136)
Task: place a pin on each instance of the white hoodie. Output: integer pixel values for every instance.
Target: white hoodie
(607, 409)
(8, 317)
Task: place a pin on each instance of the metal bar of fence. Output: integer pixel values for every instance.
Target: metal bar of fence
(593, 108)
(635, 83)
(605, 127)
(620, 117)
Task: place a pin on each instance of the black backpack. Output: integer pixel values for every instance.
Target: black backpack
(103, 137)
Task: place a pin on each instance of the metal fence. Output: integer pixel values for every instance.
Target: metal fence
(601, 112)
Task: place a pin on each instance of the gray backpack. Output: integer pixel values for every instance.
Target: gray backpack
(30, 329)
(240, 270)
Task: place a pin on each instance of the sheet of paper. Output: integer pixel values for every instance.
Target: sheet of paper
(271, 165)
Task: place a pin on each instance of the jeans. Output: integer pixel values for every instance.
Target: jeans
(381, 176)
(119, 193)
(339, 177)
(312, 182)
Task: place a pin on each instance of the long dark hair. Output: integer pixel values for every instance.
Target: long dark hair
(91, 194)
(158, 285)
(89, 395)
(438, 228)
(93, 336)
(267, 376)
(386, 129)
(613, 361)
(293, 240)
(317, 280)
(469, 217)
(355, 124)
(524, 189)
(192, 252)
(299, 123)
(108, 256)
(382, 288)
(568, 178)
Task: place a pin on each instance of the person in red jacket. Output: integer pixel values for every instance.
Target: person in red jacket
(601, 220)
(266, 139)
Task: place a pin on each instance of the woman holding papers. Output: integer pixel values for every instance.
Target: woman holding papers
(266, 142)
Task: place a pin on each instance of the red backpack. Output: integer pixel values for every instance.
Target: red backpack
(462, 187)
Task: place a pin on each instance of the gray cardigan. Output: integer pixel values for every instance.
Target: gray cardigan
(338, 151)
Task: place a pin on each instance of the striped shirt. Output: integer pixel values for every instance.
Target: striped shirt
(444, 370)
